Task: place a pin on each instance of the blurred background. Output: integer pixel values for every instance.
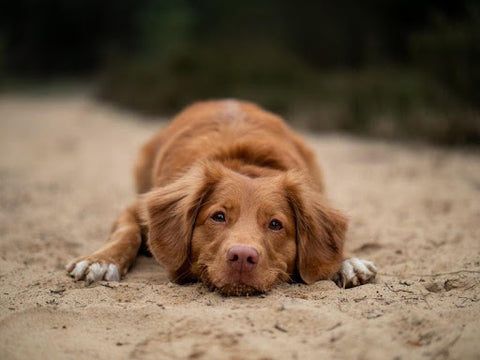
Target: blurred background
(392, 69)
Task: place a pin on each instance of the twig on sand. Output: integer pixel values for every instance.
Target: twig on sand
(279, 328)
(334, 326)
(398, 290)
(433, 275)
(107, 285)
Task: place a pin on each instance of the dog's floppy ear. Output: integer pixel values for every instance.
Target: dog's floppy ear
(170, 213)
(320, 230)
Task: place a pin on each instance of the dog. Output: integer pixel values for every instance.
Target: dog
(230, 195)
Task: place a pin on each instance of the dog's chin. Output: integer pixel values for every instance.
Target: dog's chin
(229, 289)
(238, 289)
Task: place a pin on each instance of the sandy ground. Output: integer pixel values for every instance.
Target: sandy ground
(65, 166)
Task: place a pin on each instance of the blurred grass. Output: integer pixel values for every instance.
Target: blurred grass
(48, 86)
(389, 69)
(430, 94)
(385, 102)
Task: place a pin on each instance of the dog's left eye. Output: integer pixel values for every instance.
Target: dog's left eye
(275, 225)
(218, 217)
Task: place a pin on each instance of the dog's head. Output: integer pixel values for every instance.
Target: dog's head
(242, 234)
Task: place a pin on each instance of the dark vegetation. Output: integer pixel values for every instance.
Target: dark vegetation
(387, 68)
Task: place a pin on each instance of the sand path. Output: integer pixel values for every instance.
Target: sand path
(65, 165)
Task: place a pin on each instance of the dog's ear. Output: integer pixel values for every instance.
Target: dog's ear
(320, 229)
(170, 213)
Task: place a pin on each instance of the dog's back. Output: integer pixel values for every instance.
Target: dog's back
(234, 132)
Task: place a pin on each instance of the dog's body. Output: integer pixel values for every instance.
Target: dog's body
(229, 195)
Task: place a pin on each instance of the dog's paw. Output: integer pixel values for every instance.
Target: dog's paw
(93, 270)
(354, 272)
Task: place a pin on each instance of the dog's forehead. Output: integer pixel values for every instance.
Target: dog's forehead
(237, 186)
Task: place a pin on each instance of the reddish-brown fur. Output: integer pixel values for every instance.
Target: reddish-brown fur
(239, 159)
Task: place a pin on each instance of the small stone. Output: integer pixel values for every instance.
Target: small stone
(451, 284)
(433, 287)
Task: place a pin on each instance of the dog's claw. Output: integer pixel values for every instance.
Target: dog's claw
(78, 271)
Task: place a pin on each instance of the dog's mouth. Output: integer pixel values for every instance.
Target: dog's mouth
(237, 288)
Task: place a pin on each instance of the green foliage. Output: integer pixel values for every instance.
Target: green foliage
(392, 103)
(2, 56)
(189, 53)
(450, 52)
(389, 68)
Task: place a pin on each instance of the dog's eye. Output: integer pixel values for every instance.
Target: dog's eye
(219, 217)
(275, 225)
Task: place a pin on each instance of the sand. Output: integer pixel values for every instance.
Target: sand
(65, 172)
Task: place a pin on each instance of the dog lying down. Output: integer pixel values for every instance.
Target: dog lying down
(231, 196)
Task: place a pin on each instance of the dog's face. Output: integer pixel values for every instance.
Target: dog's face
(242, 234)
(244, 237)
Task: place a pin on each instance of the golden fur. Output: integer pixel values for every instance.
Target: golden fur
(233, 158)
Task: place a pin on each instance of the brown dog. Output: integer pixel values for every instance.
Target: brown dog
(230, 195)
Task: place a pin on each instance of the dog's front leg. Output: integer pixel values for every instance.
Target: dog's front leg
(113, 260)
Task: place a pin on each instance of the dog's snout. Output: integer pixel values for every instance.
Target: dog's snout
(242, 257)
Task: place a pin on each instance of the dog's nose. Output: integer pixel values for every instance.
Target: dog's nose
(242, 257)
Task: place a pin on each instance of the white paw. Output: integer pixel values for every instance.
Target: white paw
(354, 272)
(93, 271)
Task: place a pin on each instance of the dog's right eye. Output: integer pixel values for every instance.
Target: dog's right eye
(219, 217)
